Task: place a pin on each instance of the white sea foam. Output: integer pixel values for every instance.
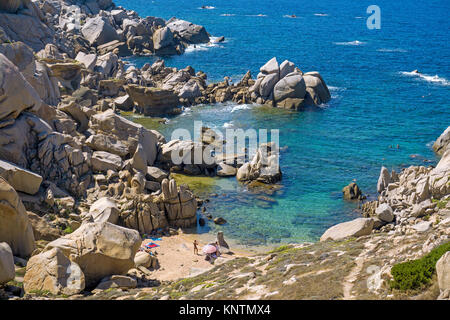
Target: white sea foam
(228, 124)
(391, 50)
(240, 107)
(358, 17)
(204, 46)
(321, 14)
(333, 88)
(427, 77)
(256, 15)
(350, 43)
(227, 14)
(290, 16)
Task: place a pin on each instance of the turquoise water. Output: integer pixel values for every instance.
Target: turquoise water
(375, 102)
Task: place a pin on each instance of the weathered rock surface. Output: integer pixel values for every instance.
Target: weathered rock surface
(355, 228)
(102, 161)
(153, 101)
(54, 272)
(104, 210)
(99, 31)
(264, 166)
(16, 94)
(100, 249)
(110, 123)
(189, 32)
(7, 272)
(352, 192)
(15, 227)
(443, 272)
(20, 179)
(117, 281)
(442, 143)
(42, 230)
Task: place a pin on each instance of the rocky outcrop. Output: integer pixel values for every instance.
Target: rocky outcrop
(42, 230)
(54, 272)
(109, 123)
(264, 166)
(32, 31)
(105, 210)
(442, 143)
(443, 272)
(17, 94)
(100, 249)
(355, 228)
(99, 31)
(383, 180)
(20, 179)
(7, 271)
(187, 31)
(352, 192)
(15, 227)
(175, 206)
(286, 86)
(187, 156)
(153, 101)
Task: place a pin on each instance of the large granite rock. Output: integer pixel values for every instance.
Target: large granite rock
(32, 30)
(443, 271)
(271, 66)
(162, 38)
(189, 32)
(42, 230)
(355, 228)
(383, 180)
(154, 101)
(264, 166)
(110, 123)
(54, 272)
(442, 143)
(11, 6)
(316, 88)
(15, 228)
(101, 142)
(20, 179)
(179, 203)
(103, 161)
(99, 31)
(7, 272)
(105, 210)
(16, 94)
(100, 249)
(352, 192)
(291, 86)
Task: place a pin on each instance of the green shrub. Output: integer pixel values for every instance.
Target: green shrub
(414, 274)
(68, 230)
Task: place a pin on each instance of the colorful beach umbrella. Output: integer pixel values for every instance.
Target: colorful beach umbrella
(209, 249)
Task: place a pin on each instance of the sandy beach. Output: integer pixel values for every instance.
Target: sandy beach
(177, 259)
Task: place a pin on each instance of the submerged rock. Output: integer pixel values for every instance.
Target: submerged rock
(352, 192)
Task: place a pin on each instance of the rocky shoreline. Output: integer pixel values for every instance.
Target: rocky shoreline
(80, 184)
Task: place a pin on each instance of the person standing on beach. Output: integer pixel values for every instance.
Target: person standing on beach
(195, 247)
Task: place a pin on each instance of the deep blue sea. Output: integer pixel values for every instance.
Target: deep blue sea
(375, 102)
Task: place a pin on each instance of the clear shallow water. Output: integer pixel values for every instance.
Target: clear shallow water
(375, 102)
